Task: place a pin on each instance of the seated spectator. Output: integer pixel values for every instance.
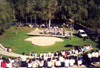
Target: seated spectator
(53, 61)
(79, 62)
(8, 64)
(10, 50)
(49, 63)
(57, 63)
(5, 49)
(35, 54)
(40, 55)
(71, 61)
(90, 46)
(93, 57)
(66, 62)
(97, 55)
(32, 54)
(29, 54)
(45, 64)
(41, 64)
(30, 64)
(34, 64)
(90, 56)
(20, 62)
(61, 59)
(3, 63)
(16, 63)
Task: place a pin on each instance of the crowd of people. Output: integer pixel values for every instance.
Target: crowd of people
(8, 49)
(64, 58)
(52, 30)
(55, 31)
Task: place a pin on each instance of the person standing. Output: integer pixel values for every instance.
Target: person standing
(23, 57)
(87, 60)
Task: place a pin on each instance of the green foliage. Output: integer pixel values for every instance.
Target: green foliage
(6, 15)
(83, 11)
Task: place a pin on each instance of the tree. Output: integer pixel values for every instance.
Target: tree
(50, 9)
(6, 15)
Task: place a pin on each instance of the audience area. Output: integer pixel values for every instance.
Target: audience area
(59, 59)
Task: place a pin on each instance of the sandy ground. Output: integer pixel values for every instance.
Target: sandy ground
(44, 41)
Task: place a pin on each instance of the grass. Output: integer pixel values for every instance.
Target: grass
(18, 45)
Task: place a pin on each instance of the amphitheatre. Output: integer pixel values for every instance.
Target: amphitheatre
(36, 40)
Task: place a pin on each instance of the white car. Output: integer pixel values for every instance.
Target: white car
(81, 33)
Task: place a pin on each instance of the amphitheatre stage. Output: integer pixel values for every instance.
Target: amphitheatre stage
(44, 39)
(36, 32)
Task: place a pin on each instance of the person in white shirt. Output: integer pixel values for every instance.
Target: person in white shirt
(49, 54)
(29, 64)
(10, 50)
(52, 54)
(63, 53)
(23, 57)
(10, 59)
(34, 63)
(61, 59)
(0, 61)
(35, 55)
(49, 63)
(71, 62)
(93, 57)
(12, 62)
(57, 63)
(79, 62)
(41, 55)
(90, 47)
(41, 63)
(8, 64)
(90, 56)
(66, 62)
(76, 51)
(5, 49)
(97, 56)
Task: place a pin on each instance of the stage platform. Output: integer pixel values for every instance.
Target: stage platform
(36, 32)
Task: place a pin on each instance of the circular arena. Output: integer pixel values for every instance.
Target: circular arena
(44, 41)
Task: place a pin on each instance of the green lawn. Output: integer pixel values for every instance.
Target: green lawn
(18, 45)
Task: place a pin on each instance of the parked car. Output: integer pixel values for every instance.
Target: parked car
(81, 33)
